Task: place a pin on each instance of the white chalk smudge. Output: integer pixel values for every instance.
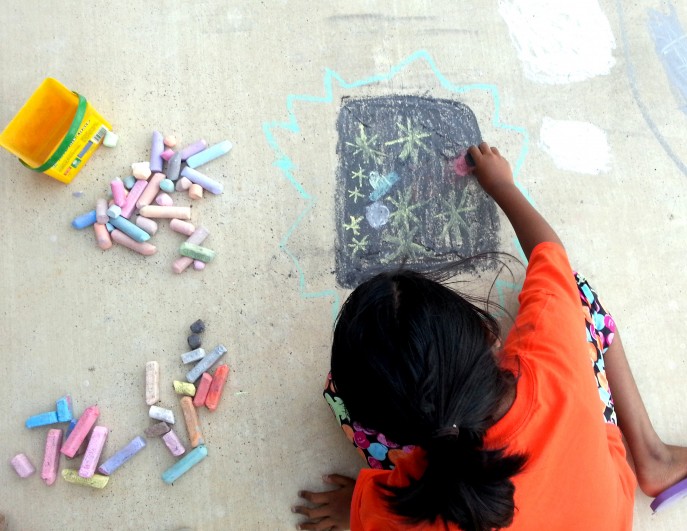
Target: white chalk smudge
(560, 41)
(377, 215)
(576, 146)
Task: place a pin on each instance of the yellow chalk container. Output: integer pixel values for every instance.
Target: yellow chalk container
(55, 132)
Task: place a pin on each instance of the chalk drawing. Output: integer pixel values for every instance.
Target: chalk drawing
(575, 146)
(377, 215)
(454, 217)
(632, 77)
(354, 225)
(560, 41)
(381, 184)
(355, 194)
(286, 166)
(670, 41)
(421, 138)
(411, 140)
(360, 175)
(365, 146)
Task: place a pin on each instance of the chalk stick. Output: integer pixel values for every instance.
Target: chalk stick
(184, 464)
(122, 456)
(208, 361)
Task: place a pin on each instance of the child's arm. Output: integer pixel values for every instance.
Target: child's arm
(496, 178)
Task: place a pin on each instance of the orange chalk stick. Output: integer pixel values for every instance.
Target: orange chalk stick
(216, 387)
(202, 390)
(191, 420)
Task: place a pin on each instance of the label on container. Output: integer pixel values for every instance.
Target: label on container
(86, 140)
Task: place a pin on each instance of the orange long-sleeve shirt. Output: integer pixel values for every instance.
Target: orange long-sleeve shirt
(576, 476)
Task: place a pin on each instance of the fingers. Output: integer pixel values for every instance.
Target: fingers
(483, 150)
(317, 498)
(323, 525)
(313, 513)
(475, 153)
(338, 479)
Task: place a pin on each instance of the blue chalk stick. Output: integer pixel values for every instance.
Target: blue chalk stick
(42, 419)
(133, 231)
(121, 457)
(109, 226)
(64, 409)
(129, 182)
(208, 154)
(72, 423)
(84, 220)
(200, 179)
(167, 185)
(184, 464)
(207, 362)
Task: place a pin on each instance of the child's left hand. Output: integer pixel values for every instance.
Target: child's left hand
(333, 511)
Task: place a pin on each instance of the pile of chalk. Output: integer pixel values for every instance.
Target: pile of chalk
(84, 437)
(146, 194)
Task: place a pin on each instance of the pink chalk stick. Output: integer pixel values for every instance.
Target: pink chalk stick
(151, 190)
(118, 192)
(181, 264)
(51, 458)
(22, 466)
(133, 197)
(198, 265)
(202, 390)
(167, 154)
(80, 431)
(95, 448)
(145, 248)
(164, 199)
(173, 443)
(182, 227)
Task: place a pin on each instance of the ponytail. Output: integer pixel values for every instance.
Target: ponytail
(414, 360)
(463, 483)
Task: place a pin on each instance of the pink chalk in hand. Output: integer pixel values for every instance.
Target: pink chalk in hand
(93, 451)
(51, 458)
(22, 466)
(461, 166)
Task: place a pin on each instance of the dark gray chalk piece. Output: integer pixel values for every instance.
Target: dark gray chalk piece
(194, 341)
(198, 327)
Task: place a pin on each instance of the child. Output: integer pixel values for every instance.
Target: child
(462, 433)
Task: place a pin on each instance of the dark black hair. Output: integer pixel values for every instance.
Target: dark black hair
(412, 358)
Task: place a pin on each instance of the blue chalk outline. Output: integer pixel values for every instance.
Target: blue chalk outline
(286, 165)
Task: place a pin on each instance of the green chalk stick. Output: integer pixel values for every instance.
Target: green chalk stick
(196, 252)
(98, 481)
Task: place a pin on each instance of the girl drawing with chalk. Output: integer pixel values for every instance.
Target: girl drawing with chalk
(465, 430)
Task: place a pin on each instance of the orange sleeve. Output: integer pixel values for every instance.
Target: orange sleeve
(549, 324)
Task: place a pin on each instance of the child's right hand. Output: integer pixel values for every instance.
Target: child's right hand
(491, 169)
